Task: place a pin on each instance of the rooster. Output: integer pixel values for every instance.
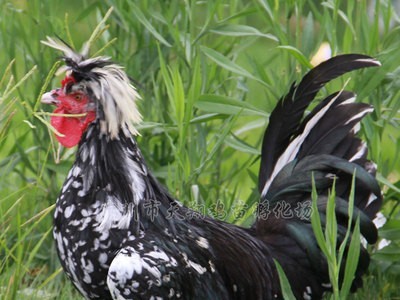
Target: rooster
(112, 248)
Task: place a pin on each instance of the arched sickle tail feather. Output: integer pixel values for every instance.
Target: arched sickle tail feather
(286, 117)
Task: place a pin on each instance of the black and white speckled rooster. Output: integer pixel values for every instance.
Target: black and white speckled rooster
(111, 248)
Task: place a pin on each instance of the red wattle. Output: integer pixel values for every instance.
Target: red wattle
(70, 127)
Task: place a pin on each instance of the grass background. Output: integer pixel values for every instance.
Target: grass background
(209, 73)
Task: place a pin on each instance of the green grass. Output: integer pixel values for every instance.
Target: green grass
(209, 73)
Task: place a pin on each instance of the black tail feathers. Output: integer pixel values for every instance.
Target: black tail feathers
(322, 145)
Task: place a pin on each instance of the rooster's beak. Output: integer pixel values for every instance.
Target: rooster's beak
(50, 98)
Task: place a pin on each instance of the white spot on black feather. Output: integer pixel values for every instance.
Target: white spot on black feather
(361, 151)
(67, 185)
(76, 171)
(212, 267)
(103, 259)
(306, 296)
(202, 242)
(360, 114)
(370, 60)
(76, 184)
(82, 193)
(326, 285)
(171, 293)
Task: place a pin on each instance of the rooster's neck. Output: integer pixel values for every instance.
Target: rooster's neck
(114, 173)
(114, 166)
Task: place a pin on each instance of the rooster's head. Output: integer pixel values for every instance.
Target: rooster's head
(94, 89)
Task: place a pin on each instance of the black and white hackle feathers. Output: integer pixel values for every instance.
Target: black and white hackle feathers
(111, 247)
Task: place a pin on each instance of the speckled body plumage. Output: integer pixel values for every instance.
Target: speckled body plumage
(173, 258)
(120, 235)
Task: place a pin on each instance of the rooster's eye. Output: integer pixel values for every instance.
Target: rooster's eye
(78, 97)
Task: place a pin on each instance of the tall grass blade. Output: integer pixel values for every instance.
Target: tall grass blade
(285, 285)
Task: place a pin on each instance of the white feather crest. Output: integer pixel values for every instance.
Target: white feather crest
(115, 92)
(59, 45)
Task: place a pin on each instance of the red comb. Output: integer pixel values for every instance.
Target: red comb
(67, 80)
